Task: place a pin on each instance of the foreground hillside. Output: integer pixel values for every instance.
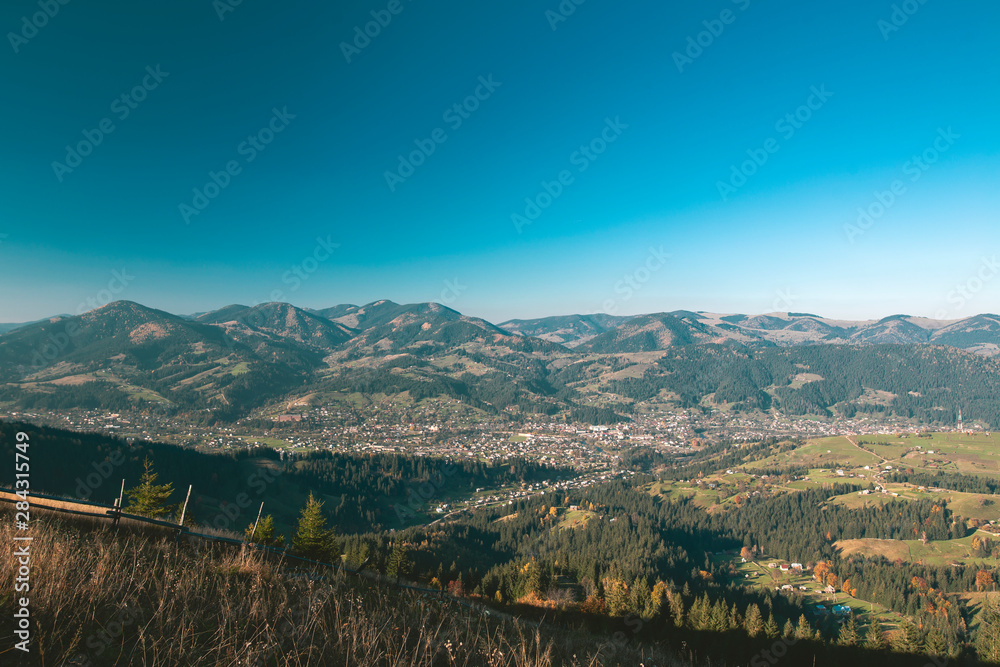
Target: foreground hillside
(104, 598)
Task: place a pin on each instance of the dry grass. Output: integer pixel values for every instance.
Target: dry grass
(104, 598)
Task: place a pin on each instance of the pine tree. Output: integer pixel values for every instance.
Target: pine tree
(719, 620)
(313, 540)
(771, 630)
(849, 632)
(398, 565)
(803, 630)
(735, 620)
(677, 610)
(617, 597)
(875, 637)
(988, 636)
(641, 597)
(754, 623)
(789, 630)
(149, 498)
(907, 638)
(935, 644)
(264, 533)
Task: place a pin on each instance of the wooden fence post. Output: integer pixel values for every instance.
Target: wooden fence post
(184, 511)
(253, 533)
(118, 504)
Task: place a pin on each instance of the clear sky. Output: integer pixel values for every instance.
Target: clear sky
(666, 171)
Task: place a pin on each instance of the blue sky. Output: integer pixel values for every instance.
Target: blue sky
(645, 140)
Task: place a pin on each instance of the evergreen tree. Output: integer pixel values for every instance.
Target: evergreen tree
(803, 630)
(641, 597)
(398, 565)
(617, 597)
(313, 540)
(677, 610)
(771, 628)
(789, 630)
(907, 638)
(719, 620)
(735, 620)
(149, 498)
(935, 644)
(754, 623)
(875, 637)
(849, 635)
(988, 636)
(264, 533)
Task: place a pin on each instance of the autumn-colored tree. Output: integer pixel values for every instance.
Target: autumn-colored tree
(746, 552)
(820, 571)
(984, 579)
(919, 584)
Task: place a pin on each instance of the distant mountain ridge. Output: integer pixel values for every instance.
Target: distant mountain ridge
(979, 333)
(227, 363)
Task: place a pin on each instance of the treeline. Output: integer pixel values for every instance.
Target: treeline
(947, 480)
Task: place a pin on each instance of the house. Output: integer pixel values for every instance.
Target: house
(787, 587)
(784, 567)
(797, 566)
(830, 589)
(841, 610)
(772, 565)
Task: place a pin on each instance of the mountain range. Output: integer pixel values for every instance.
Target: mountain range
(238, 359)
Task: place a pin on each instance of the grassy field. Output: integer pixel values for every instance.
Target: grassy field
(975, 454)
(821, 453)
(942, 552)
